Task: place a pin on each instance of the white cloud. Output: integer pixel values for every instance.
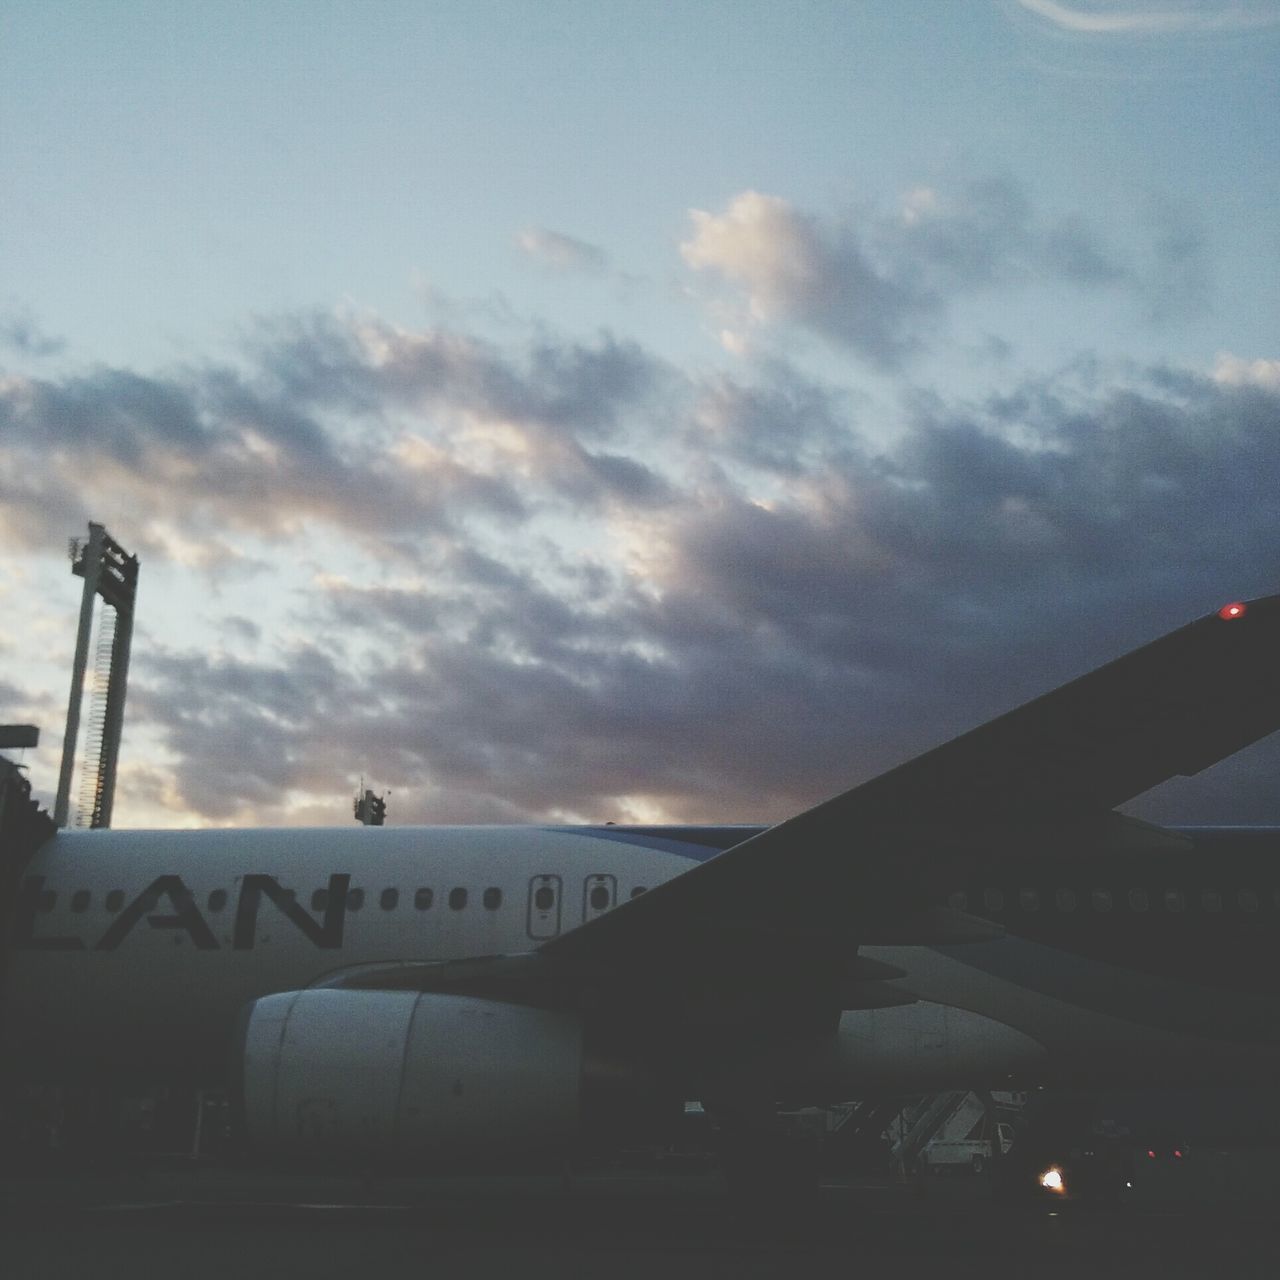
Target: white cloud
(878, 283)
(1138, 20)
(762, 242)
(563, 253)
(1233, 371)
(918, 203)
(794, 268)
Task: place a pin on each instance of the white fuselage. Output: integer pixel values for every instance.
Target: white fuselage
(164, 996)
(134, 952)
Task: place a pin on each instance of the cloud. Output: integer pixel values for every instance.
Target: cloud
(242, 629)
(207, 454)
(352, 424)
(238, 730)
(980, 235)
(780, 423)
(1165, 19)
(769, 634)
(1074, 251)
(795, 269)
(1176, 280)
(880, 284)
(20, 332)
(1232, 371)
(561, 252)
(580, 583)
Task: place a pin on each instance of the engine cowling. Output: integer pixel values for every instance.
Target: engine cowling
(402, 1077)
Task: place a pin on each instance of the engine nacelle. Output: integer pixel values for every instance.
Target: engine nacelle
(400, 1077)
(928, 1047)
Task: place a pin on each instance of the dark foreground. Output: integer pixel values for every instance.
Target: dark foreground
(216, 1225)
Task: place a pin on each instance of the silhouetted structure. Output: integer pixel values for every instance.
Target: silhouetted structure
(108, 571)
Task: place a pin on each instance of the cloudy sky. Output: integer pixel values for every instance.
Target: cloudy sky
(627, 410)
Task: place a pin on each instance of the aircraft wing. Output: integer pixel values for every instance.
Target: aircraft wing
(864, 867)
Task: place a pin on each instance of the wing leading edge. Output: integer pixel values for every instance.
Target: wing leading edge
(859, 868)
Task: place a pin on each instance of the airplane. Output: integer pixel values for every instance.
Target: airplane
(981, 916)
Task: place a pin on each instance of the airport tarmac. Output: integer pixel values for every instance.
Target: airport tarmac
(207, 1224)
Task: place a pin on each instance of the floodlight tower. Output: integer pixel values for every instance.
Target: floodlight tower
(110, 572)
(370, 810)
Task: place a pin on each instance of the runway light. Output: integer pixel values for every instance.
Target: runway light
(1051, 1180)
(1230, 611)
(1177, 1154)
(1151, 1155)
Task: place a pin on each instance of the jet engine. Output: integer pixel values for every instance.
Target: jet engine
(406, 1078)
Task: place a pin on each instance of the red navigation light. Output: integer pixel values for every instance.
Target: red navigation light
(1229, 611)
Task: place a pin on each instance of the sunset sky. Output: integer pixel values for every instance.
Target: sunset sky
(630, 411)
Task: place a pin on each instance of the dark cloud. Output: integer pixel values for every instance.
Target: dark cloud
(111, 412)
(353, 425)
(622, 477)
(561, 388)
(760, 655)
(635, 594)
(781, 422)
(242, 628)
(10, 697)
(240, 731)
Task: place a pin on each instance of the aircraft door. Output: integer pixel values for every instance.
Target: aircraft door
(544, 907)
(599, 893)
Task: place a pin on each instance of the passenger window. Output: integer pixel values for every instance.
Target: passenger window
(388, 899)
(423, 899)
(217, 900)
(1101, 899)
(457, 899)
(115, 900)
(47, 900)
(1248, 900)
(1211, 900)
(544, 897)
(355, 899)
(1137, 899)
(492, 899)
(599, 897)
(1066, 899)
(1174, 900)
(1029, 900)
(993, 899)
(320, 900)
(80, 900)
(637, 891)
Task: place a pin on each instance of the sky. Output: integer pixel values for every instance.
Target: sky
(627, 410)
